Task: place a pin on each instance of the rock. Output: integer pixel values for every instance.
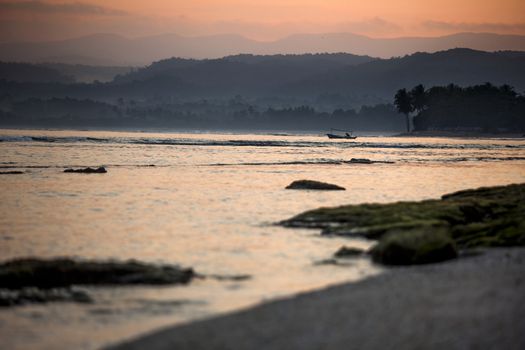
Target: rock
(486, 217)
(63, 272)
(367, 161)
(333, 262)
(313, 185)
(100, 170)
(233, 278)
(415, 247)
(349, 252)
(11, 172)
(360, 161)
(24, 296)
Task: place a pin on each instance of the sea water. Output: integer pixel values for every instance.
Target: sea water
(207, 201)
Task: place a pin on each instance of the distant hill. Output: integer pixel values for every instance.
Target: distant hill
(23, 72)
(262, 91)
(459, 66)
(58, 72)
(88, 74)
(244, 73)
(312, 75)
(325, 81)
(109, 49)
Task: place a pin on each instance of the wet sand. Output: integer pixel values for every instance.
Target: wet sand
(475, 302)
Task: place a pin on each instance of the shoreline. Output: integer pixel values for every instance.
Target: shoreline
(471, 302)
(464, 135)
(276, 132)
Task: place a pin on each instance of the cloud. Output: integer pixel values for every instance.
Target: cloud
(474, 27)
(77, 8)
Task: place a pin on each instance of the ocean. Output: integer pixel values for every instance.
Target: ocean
(208, 201)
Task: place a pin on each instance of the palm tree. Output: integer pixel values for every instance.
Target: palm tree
(418, 97)
(403, 104)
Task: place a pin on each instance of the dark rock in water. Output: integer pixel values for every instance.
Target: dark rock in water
(9, 297)
(234, 278)
(486, 217)
(367, 161)
(11, 172)
(313, 185)
(361, 161)
(45, 274)
(100, 170)
(333, 262)
(349, 252)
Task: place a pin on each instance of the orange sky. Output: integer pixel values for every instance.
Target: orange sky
(258, 19)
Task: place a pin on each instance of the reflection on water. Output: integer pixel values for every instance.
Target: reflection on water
(206, 201)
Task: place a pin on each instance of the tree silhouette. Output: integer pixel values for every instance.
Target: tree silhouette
(484, 107)
(418, 98)
(403, 104)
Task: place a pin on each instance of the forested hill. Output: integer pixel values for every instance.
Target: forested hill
(308, 76)
(459, 66)
(26, 72)
(325, 81)
(58, 72)
(248, 71)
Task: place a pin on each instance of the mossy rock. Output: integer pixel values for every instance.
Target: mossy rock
(484, 217)
(63, 272)
(424, 246)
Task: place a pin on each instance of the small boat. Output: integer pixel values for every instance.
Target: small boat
(347, 135)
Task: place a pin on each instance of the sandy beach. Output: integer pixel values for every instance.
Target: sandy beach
(474, 302)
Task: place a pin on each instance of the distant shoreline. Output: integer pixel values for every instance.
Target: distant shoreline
(461, 134)
(474, 302)
(278, 132)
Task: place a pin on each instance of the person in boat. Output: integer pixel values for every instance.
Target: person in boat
(347, 134)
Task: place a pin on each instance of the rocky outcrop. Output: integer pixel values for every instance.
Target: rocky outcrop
(63, 272)
(421, 246)
(428, 231)
(100, 170)
(313, 185)
(11, 172)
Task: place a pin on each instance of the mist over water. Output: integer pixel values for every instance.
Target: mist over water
(207, 201)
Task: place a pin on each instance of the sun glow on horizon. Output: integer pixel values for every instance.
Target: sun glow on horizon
(256, 19)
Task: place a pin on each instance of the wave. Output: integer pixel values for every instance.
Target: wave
(350, 162)
(321, 161)
(482, 159)
(259, 143)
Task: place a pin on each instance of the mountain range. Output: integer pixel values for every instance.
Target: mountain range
(114, 50)
(322, 80)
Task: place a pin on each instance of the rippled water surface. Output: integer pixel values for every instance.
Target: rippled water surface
(207, 201)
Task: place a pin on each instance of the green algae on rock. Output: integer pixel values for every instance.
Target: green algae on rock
(421, 246)
(492, 216)
(63, 272)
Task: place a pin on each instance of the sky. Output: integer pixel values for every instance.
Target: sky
(42, 20)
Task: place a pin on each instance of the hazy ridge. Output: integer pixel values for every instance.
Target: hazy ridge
(284, 92)
(110, 49)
